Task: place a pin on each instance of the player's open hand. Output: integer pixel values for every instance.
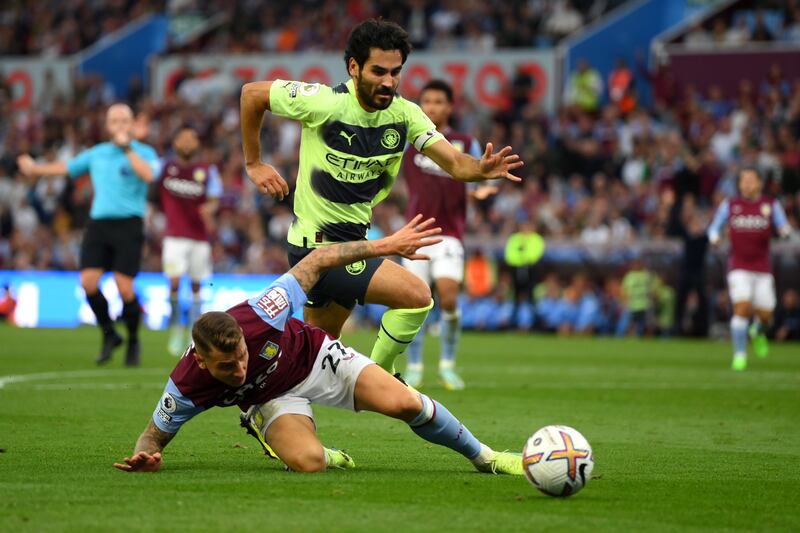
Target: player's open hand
(141, 462)
(413, 236)
(496, 166)
(26, 164)
(268, 180)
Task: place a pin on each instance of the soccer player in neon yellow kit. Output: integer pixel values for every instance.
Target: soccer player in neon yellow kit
(353, 137)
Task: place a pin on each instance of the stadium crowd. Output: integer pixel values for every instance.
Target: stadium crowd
(602, 171)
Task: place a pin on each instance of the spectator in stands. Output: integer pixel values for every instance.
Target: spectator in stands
(7, 305)
(787, 319)
(564, 19)
(686, 224)
(549, 309)
(523, 250)
(761, 32)
(580, 308)
(738, 34)
(697, 38)
(791, 32)
(620, 87)
(637, 295)
(585, 87)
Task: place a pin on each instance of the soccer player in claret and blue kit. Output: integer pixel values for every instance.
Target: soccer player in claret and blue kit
(434, 193)
(351, 147)
(751, 218)
(273, 367)
(189, 191)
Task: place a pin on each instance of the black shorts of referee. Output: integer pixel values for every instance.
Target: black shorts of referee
(113, 244)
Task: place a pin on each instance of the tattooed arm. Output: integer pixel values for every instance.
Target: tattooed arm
(405, 243)
(147, 453)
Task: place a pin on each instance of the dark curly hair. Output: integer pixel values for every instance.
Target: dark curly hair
(375, 33)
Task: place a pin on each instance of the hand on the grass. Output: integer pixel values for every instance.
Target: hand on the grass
(499, 165)
(141, 462)
(413, 236)
(268, 180)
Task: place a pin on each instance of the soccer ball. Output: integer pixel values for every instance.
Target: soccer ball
(558, 460)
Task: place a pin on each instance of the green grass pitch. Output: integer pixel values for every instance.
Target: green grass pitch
(681, 443)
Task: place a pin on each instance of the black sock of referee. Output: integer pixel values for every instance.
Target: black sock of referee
(99, 306)
(131, 315)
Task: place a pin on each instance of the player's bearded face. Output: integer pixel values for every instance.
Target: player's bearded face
(377, 81)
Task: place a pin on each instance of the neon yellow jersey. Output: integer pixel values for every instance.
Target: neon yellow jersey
(349, 158)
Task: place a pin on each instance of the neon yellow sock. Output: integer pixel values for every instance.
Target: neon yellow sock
(398, 328)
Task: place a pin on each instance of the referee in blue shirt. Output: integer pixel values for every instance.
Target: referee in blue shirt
(120, 171)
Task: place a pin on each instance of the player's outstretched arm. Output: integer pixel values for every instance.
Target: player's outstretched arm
(146, 455)
(31, 169)
(463, 167)
(405, 243)
(254, 102)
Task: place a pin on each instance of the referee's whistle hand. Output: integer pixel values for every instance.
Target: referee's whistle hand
(268, 181)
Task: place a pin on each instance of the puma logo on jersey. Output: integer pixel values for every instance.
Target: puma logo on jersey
(348, 137)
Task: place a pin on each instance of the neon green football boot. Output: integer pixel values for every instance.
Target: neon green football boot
(759, 340)
(503, 463)
(739, 363)
(339, 459)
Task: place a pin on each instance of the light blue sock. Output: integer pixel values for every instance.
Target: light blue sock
(739, 334)
(449, 337)
(437, 425)
(175, 317)
(196, 309)
(414, 350)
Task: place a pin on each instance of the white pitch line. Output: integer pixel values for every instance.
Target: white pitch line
(96, 386)
(45, 376)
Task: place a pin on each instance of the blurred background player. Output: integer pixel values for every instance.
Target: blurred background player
(432, 192)
(120, 171)
(189, 192)
(751, 219)
(353, 138)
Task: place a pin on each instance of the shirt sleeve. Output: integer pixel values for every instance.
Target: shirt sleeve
(214, 187)
(278, 303)
(173, 409)
(720, 218)
(779, 217)
(475, 149)
(79, 165)
(422, 131)
(309, 103)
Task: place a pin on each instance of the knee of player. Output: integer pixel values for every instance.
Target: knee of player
(418, 295)
(448, 302)
(407, 406)
(89, 282)
(308, 461)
